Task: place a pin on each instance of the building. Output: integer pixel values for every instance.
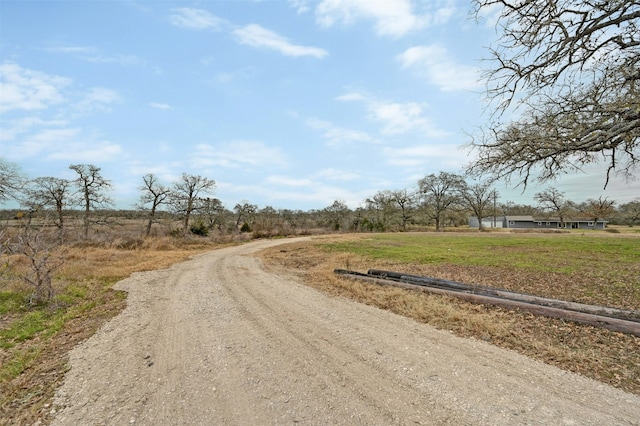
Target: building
(529, 222)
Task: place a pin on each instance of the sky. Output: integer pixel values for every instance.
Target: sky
(289, 104)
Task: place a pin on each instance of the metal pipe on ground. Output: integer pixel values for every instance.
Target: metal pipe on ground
(495, 292)
(614, 324)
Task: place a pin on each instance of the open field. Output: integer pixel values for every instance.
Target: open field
(592, 268)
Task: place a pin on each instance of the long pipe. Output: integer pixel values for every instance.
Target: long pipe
(615, 324)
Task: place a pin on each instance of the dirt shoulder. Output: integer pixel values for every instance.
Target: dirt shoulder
(219, 340)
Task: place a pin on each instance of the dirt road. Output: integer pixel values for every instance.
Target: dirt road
(218, 340)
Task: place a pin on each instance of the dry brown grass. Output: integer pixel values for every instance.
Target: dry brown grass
(85, 302)
(603, 355)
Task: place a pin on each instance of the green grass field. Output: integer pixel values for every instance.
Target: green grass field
(605, 267)
(549, 253)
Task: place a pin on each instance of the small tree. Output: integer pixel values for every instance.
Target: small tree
(42, 258)
(441, 192)
(478, 198)
(554, 200)
(153, 195)
(91, 189)
(267, 222)
(245, 213)
(185, 194)
(12, 181)
(598, 209)
(51, 192)
(406, 203)
(336, 213)
(631, 211)
(214, 212)
(380, 208)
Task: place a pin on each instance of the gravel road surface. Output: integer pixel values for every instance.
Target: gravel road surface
(217, 340)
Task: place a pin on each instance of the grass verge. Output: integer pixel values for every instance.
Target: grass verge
(35, 340)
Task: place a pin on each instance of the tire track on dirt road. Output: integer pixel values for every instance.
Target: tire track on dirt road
(218, 340)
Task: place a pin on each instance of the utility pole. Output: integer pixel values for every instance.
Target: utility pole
(494, 208)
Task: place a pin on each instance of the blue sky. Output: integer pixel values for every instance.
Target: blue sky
(289, 104)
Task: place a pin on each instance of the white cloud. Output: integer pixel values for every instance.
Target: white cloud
(67, 144)
(391, 18)
(87, 152)
(256, 36)
(397, 118)
(92, 54)
(444, 156)
(237, 154)
(14, 128)
(159, 105)
(116, 59)
(97, 99)
(301, 6)
(434, 63)
(337, 136)
(244, 73)
(252, 35)
(288, 181)
(25, 89)
(101, 95)
(72, 49)
(352, 96)
(337, 175)
(197, 19)
(42, 142)
(310, 190)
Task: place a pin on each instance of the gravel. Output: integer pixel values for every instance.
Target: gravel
(218, 340)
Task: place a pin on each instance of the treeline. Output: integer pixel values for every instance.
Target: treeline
(55, 213)
(188, 205)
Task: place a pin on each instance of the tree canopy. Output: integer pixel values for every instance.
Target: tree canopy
(570, 70)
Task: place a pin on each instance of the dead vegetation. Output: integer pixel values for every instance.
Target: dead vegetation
(35, 340)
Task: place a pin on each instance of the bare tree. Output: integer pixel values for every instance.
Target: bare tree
(186, 193)
(245, 212)
(553, 200)
(336, 213)
(512, 209)
(380, 207)
(42, 257)
(598, 209)
(267, 222)
(631, 211)
(153, 195)
(441, 193)
(572, 68)
(478, 198)
(5, 251)
(52, 192)
(406, 203)
(12, 180)
(213, 210)
(91, 187)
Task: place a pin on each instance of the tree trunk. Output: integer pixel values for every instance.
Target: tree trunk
(60, 223)
(87, 208)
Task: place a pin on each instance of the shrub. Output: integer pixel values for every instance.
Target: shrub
(199, 228)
